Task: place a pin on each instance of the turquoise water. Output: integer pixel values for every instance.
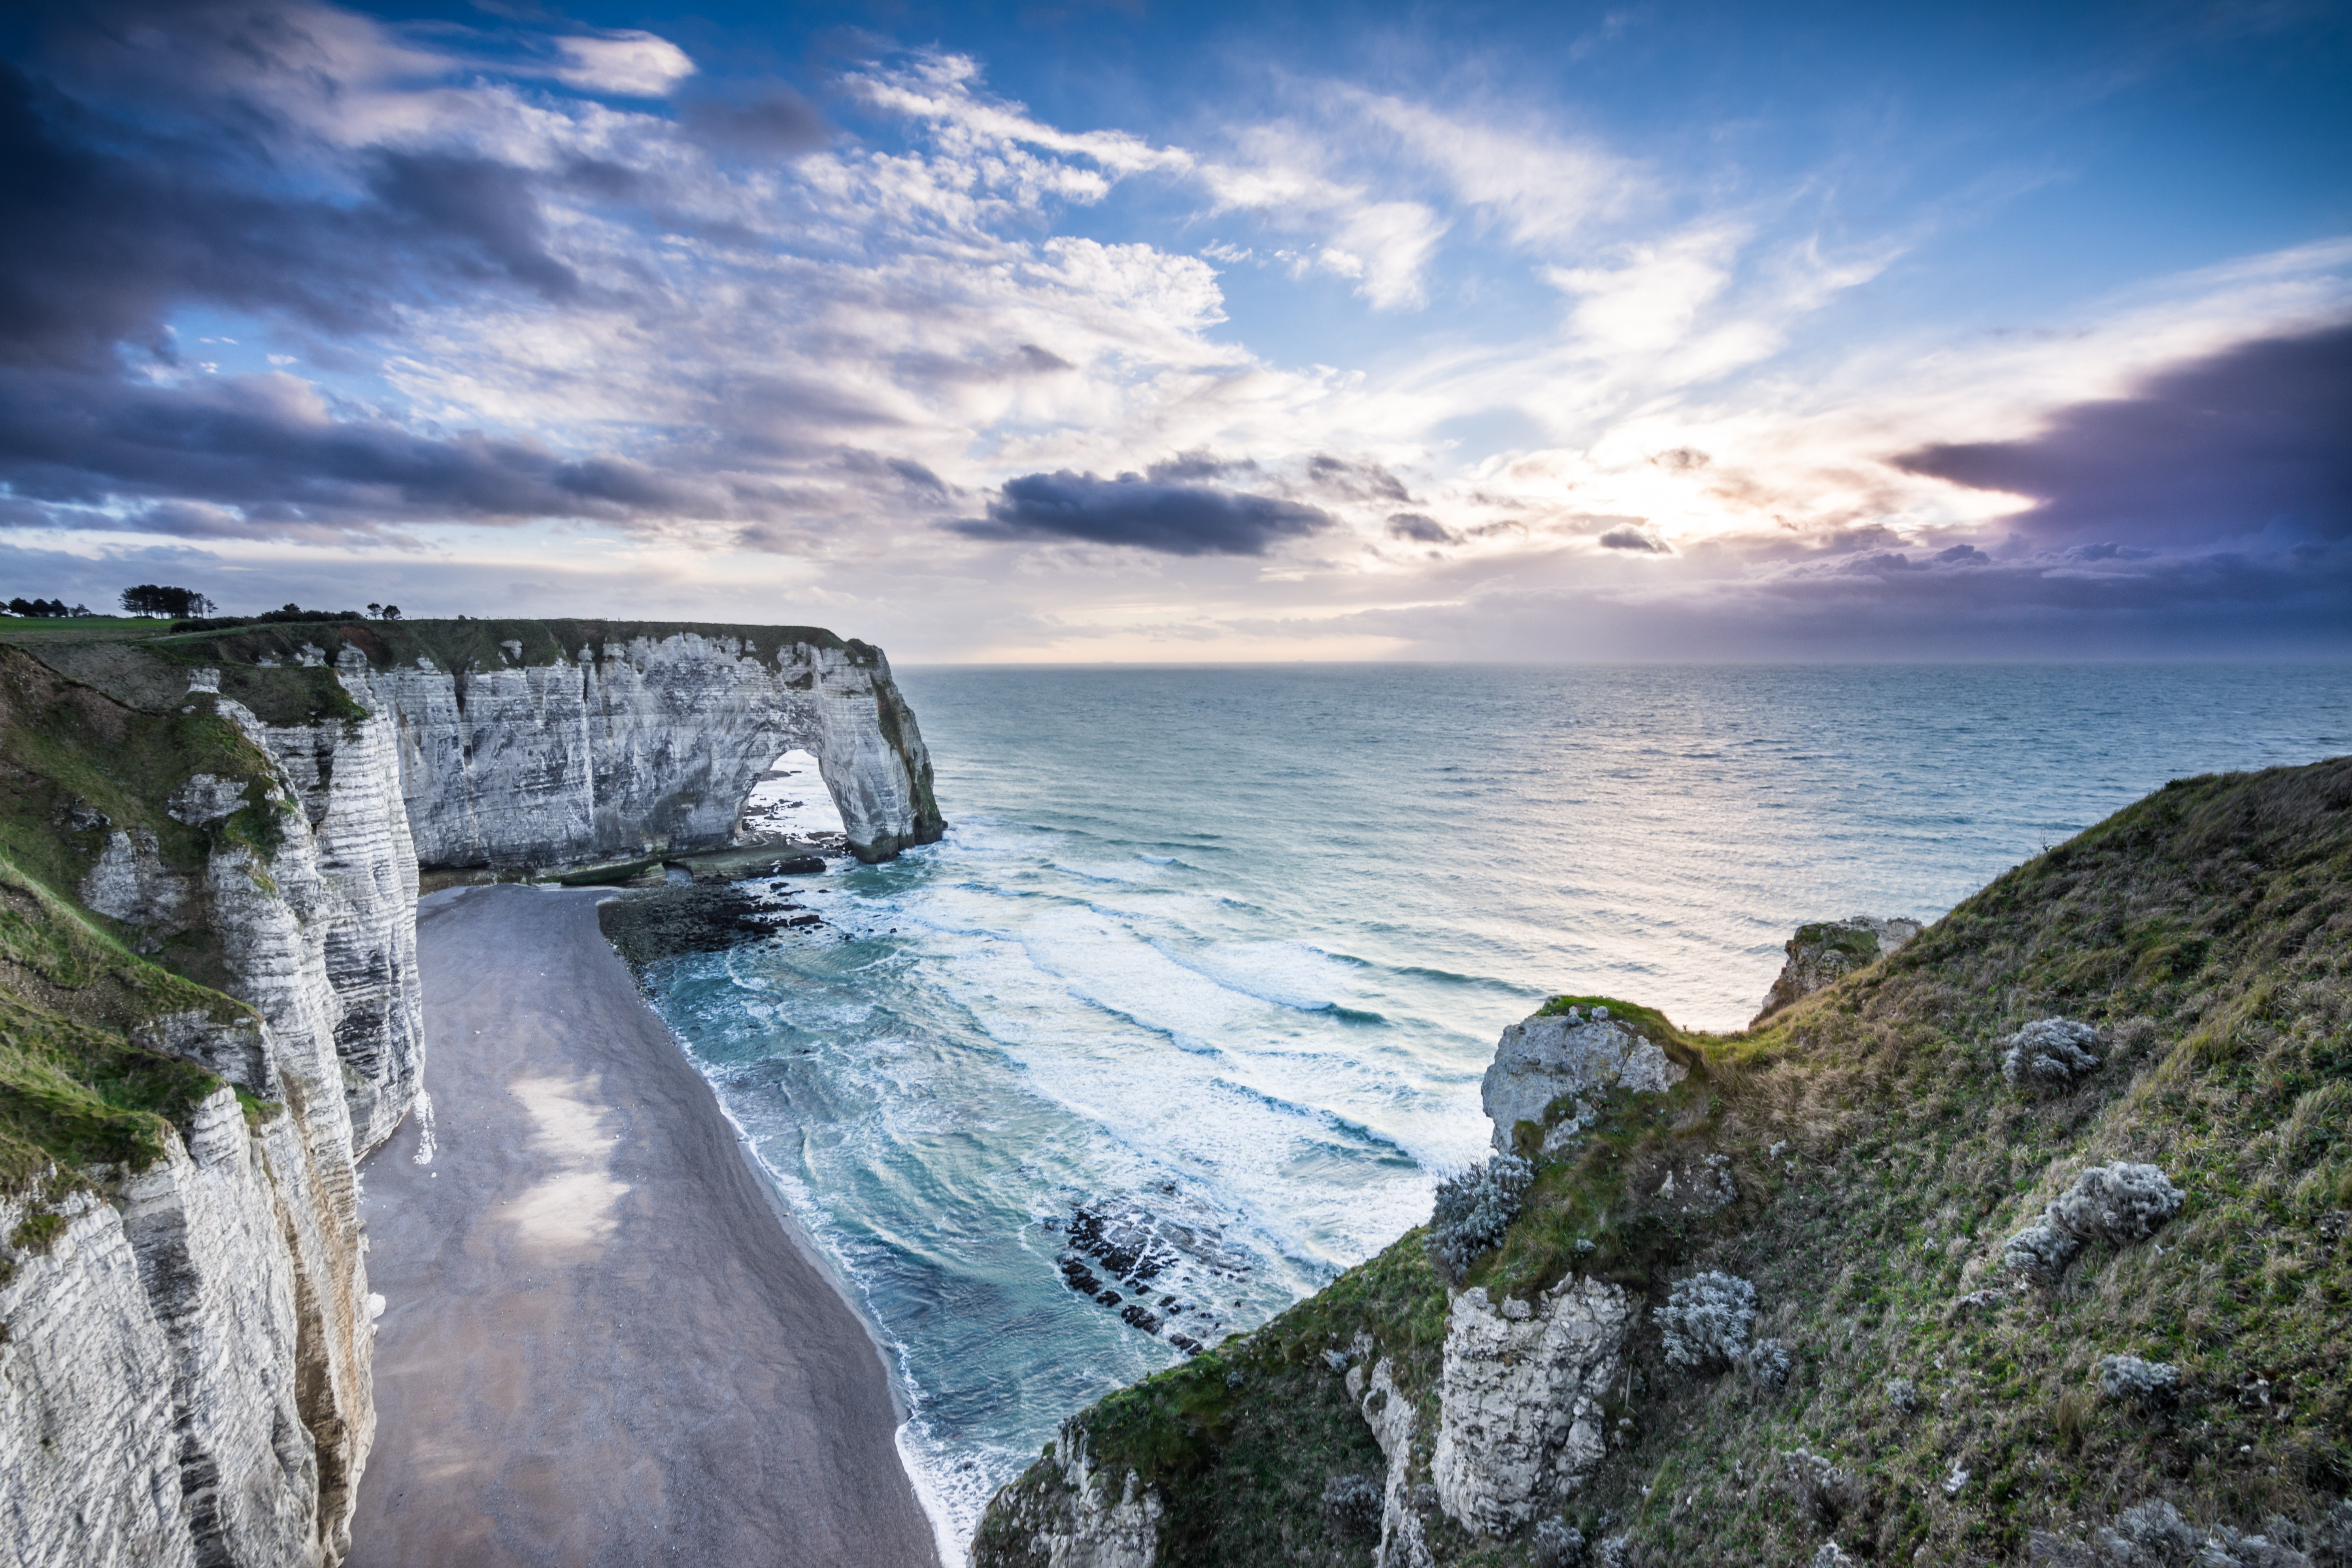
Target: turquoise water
(1217, 956)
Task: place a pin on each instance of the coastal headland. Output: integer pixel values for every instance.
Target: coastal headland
(214, 1021)
(599, 1344)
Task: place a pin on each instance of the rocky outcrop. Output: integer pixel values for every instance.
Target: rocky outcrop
(2050, 1054)
(639, 743)
(1828, 951)
(1576, 1056)
(1073, 1516)
(1519, 1426)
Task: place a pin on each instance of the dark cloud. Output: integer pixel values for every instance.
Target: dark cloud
(2226, 446)
(266, 446)
(1147, 513)
(483, 215)
(1357, 480)
(1416, 526)
(776, 122)
(1045, 361)
(1635, 539)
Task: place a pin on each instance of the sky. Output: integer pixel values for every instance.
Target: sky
(1130, 332)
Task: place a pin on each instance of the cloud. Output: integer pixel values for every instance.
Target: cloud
(630, 63)
(1422, 528)
(775, 121)
(1643, 541)
(2248, 438)
(1149, 514)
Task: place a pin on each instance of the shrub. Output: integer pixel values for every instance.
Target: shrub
(2119, 1202)
(1475, 1208)
(1768, 1364)
(1352, 1504)
(1706, 1320)
(1558, 1544)
(2050, 1053)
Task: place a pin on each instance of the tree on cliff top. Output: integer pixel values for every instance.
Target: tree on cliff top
(178, 604)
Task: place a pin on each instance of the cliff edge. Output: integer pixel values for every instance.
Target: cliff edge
(2030, 1241)
(210, 841)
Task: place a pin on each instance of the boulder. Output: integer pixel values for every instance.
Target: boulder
(1573, 1055)
(1828, 951)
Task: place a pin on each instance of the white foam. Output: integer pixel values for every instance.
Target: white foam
(792, 799)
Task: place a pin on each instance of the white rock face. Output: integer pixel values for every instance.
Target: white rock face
(1099, 1521)
(652, 746)
(148, 1385)
(1394, 1422)
(1539, 1059)
(1519, 1423)
(131, 883)
(242, 1344)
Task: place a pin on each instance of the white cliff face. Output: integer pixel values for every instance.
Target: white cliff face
(641, 746)
(241, 1343)
(346, 778)
(1094, 1520)
(1520, 1426)
(1540, 1059)
(148, 1382)
(1393, 1420)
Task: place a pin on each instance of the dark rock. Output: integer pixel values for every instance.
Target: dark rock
(1137, 1318)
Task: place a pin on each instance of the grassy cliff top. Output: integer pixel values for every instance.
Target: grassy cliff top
(1880, 1160)
(146, 663)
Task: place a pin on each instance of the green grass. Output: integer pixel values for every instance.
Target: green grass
(2208, 930)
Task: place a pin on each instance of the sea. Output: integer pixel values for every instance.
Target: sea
(1191, 1005)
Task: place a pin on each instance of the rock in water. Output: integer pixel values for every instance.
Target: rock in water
(1829, 950)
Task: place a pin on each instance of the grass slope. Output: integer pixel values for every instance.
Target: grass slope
(1881, 1161)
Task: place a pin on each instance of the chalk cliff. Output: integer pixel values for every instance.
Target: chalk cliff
(210, 1011)
(568, 742)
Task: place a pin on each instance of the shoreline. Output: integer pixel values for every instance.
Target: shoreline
(595, 1349)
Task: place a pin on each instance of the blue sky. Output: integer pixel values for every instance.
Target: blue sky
(1136, 332)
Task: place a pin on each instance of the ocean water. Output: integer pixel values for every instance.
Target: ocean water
(1212, 959)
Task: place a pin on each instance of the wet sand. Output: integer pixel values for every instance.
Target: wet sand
(600, 1345)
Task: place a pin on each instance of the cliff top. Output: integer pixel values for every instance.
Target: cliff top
(145, 663)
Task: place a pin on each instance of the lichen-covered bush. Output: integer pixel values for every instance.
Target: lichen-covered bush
(1768, 1364)
(1902, 1393)
(1556, 1544)
(2137, 1382)
(2155, 1535)
(1706, 1320)
(1832, 1555)
(1352, 1504)
(2121, 1203)
(2051, 1053)
(1826, 1492)
(1475, 1208)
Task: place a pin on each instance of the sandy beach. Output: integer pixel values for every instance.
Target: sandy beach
(600, 1343)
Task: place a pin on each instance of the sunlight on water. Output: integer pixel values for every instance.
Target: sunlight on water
(1212, 960)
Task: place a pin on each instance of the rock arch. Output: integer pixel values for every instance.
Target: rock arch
(599, 742)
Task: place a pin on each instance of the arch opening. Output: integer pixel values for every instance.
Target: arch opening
(791, 802)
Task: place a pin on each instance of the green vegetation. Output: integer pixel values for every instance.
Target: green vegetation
(1879, 1162)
